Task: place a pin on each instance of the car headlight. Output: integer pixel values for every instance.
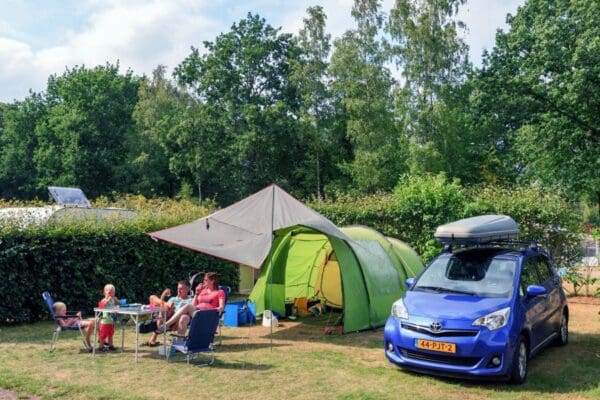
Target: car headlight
(399, 310)
(494, 320)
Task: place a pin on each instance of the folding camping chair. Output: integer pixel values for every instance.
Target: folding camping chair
(192, 278)
(58, 329)
(227, 291)
(199, 338)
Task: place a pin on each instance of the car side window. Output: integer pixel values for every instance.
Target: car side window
(529, 275)
(544, 269)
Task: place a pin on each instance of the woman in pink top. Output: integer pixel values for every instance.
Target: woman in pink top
(207, 296)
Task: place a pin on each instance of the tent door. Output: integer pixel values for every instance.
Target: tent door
(328, 285)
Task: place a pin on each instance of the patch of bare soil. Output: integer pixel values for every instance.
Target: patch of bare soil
(10, 395)
(584, 300)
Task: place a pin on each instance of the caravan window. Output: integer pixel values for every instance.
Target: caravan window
(65, 196)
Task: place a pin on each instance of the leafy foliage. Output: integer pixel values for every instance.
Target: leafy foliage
(248, 107)
(425, 44)
(541, 86)
(157, 114)
(362, 84)
(324, 146)
(420, 204)
(18, 144)
(319, 115)
(544, 217)
(75, 259)
(82, 139)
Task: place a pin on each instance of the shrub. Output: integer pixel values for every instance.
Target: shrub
(74, 259)
(543, 217)
(418, 205)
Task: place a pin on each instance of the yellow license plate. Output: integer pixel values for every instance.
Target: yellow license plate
(436, 346)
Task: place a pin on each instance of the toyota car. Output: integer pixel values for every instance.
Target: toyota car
(481, 311)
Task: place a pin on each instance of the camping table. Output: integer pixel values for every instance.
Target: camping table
(135, 313)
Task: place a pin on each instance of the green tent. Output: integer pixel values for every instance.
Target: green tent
(302, 254)
(363, 275)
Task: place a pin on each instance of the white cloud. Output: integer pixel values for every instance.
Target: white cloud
(483, 18)
(14, 54)
(142, 34)
(17, 65)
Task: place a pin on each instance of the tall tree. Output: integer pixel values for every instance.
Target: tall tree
(543, 75)
(83, 141)
(362, 86)
(244, 84)
(316, 111)
(18, 143)
(160, 107)
(433, 62)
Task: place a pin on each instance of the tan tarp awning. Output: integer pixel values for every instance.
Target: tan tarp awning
(243, 232)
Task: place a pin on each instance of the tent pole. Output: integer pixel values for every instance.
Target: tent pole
(271, 263)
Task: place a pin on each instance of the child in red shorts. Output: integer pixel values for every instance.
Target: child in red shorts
(106, 330)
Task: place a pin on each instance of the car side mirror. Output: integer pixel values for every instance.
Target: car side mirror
(535, 290)
(410, 282)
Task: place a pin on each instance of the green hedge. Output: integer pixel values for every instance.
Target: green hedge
(420, 204)
(75, 260)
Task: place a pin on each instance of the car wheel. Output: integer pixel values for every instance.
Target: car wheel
(563, 331)
(519, 363)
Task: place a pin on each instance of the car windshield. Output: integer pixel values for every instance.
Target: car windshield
(469, 273)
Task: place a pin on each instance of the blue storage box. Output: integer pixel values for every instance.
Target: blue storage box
(239, 313)
(251, 312)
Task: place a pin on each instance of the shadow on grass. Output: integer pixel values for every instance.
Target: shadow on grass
(224, 365)
(303, 329)
(240, 365)
(146, 352)
(570, 369)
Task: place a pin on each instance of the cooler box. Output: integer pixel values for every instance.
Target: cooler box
(239, 313)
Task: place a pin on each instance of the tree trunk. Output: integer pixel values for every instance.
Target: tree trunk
(318, 179)
(200, 192)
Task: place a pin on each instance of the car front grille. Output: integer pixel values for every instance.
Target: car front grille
(441, 332)
(440, 358)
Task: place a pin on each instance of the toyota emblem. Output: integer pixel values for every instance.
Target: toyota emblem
(435, 326)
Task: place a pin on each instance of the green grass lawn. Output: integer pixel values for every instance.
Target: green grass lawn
(297, 362)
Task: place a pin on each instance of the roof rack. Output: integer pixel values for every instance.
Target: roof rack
(521, 245)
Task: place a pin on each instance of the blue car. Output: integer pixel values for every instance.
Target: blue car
(479, 312)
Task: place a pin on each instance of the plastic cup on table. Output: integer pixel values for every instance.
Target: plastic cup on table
(123, 302)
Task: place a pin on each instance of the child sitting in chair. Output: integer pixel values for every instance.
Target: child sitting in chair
(106, 331)
(60, 310)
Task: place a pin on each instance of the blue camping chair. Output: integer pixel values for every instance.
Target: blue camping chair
(199, 276)
(199, 338)
(58, 329)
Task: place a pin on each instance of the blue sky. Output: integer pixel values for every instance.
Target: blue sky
(43, 37)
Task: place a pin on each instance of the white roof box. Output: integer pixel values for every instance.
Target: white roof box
(475, 230)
